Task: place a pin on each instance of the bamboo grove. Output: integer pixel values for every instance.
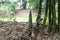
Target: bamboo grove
(50, 14)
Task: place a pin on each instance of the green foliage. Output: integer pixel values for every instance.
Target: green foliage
(8, 6)
(33, 3)
(43, 5)
(13, 6)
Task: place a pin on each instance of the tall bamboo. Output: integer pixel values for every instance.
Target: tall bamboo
(53, 16)
(59, 15)
(39, 16)
(46, 12)
(50, 19)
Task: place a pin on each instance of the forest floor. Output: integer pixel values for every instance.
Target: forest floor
(19, 31)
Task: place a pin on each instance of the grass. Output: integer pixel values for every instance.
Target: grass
(22, 19)
(18, 19)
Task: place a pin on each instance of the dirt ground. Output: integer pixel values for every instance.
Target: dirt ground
(21, 12)
(19, 31)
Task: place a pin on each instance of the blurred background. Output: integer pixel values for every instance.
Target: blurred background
(19, 9)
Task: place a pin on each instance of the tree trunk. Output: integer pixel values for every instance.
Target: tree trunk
(50, 20)
(53, 16)
(24, 4)
(46, 12)
(39, 16)
(59, 15)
